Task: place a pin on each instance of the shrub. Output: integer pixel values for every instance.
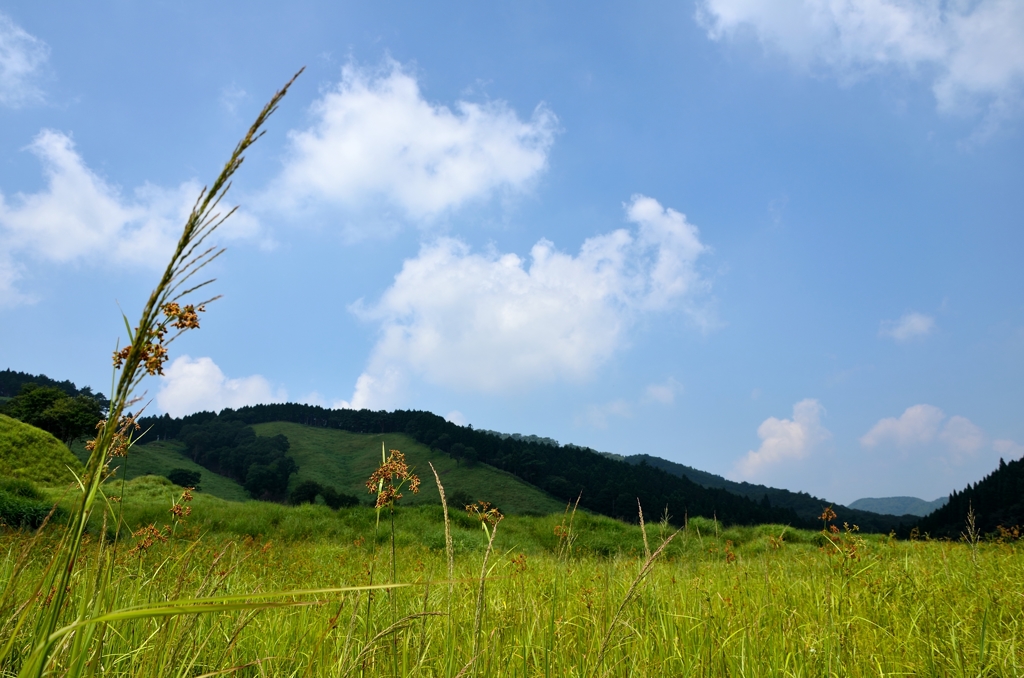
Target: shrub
(307, 491)
(185, 478)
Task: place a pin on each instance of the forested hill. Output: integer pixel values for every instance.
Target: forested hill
(806, 507)
(12, 381)
(608, 486)
(997, 501)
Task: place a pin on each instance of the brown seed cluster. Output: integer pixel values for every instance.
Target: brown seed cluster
(179, 510)
(122, 439)
(485, 513)
(148, 536)
(392, 475)
(153, 353)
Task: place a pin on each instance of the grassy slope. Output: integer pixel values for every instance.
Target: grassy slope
(30, 453)
(160, 457)
(345, 460)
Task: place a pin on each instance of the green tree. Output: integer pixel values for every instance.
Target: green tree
(52, 410)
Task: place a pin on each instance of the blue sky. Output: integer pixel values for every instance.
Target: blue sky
(780, 241)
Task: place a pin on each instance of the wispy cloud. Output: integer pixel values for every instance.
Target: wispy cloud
(910, 326)
(972, 51)
(664, 393)
(492, 322)
(1008, 448)
(376, 138)
(22, 58)
(598, 416)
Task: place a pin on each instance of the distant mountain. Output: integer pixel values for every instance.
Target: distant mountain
(806, 507)
(899, 505)
(997, 500)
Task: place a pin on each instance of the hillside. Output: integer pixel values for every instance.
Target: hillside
(997, 501)
(608, 486)
(29, 453)
(898, 505)
(345, 460)
(808, 508)
(161, 457)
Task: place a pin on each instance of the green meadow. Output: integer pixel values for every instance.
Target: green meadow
(561, 595)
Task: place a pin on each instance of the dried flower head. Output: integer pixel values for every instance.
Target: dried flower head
(387, 481)
(147, 536)
(122, 439)
(485, 513)
(827, 515)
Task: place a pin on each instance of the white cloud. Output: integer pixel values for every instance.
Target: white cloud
(195, 385)
(926, 453)
(375, 137)
(22, 57)
(963, 438)
(456, 418)
(917, 425)
(973, 51)
(597, 416)
(78, 216)
(1009, 448)
(494, 322)
(664, 393)
(924, 424)
(785, 440)
(910, 326)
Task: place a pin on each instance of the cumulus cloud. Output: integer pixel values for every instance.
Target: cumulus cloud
(22, 57)
(492, 322)
(911, 326)
(917, 425)
(972, 51)
(78, 216)
(190, 386)
(963, 438)
(785, 440)
(375, 137)
(926, 453)
(925, 424)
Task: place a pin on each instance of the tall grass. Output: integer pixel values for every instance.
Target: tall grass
(777, 608)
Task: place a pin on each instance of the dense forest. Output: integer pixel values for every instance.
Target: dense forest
(997, 501)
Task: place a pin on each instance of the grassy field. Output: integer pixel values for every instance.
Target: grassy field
(554, 593)
(558, 600)
(161, 457)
